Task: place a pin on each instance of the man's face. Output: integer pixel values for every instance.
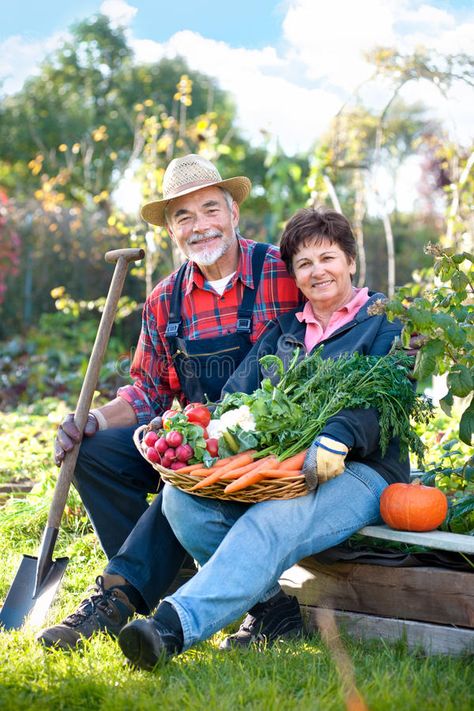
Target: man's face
(203, 225)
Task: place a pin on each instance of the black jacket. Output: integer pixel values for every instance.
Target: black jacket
(356, 428)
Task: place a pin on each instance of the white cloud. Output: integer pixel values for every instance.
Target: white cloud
(120, 12)
(428, 17)
(19, 58)
(294, 90)
(265, 100)
(329, 38)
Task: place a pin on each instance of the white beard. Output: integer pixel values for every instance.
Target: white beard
(207, 256)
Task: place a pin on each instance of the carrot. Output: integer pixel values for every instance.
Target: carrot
(236, 473)
(215, 473)
(294, 462)
(220, 463)
(279, 473)
(189, 468)
(251, 477)
(200, 470)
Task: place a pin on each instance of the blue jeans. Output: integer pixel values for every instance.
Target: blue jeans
(244, 548)
(113, 481)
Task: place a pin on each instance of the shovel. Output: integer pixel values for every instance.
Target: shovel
(37, 579)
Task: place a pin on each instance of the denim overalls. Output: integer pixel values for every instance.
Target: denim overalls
(204, 365)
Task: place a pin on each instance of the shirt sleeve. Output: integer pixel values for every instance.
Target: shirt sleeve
(150, 393)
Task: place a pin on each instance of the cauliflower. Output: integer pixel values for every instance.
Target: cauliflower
(241, 417)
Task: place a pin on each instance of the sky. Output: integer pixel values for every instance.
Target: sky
(290, 65)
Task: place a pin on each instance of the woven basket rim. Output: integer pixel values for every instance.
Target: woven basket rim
(264, 490)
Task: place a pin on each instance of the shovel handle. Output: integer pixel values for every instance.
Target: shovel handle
(121, 258)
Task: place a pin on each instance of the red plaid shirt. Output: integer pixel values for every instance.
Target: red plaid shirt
(204, 314)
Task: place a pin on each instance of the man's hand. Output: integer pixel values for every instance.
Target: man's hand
(324, 461)
(68, 435)
(416, 342)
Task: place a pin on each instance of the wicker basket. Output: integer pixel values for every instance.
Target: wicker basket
(287, 488)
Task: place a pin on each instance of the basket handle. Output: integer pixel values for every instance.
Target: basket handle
(137, 440)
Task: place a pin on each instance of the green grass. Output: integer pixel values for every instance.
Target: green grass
(299, 675)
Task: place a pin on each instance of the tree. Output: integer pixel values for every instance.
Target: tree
(93, 116)
(345, 168)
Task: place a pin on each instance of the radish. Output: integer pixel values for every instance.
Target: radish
(170, 454)
(161, 445)
(166, 462)
(152, 455)
(212, 446)
(184, 452)
(174, 438)
(177, 465)
(150, 438)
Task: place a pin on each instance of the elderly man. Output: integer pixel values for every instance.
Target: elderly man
(198, 325)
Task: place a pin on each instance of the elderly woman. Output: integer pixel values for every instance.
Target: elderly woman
(243, 549)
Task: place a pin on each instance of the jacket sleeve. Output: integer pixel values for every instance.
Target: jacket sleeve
(247, 377)
(359, 428)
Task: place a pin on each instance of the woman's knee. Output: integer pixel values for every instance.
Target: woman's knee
(173, 502)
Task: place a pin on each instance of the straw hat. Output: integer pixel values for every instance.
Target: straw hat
(186, 175)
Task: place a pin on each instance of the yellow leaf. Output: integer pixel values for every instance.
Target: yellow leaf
(57, 292)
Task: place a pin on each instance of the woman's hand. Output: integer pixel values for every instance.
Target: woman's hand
(329, 458)
(324, 461)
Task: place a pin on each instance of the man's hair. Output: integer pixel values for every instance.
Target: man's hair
(312, 225)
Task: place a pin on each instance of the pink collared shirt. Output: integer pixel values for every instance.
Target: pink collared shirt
(315, 333)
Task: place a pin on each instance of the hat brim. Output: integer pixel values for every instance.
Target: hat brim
(239, 187)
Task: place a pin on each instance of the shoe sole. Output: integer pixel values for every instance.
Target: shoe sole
(227, 645)
(59, 644)
(140, 647)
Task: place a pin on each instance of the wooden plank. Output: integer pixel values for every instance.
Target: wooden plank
(426, 594)
(440, 540)
(433, 639)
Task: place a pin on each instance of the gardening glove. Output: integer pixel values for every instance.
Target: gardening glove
(68, 435)
(324, 460)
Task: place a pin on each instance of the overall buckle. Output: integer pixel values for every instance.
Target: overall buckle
(244, 324)
(172, 330)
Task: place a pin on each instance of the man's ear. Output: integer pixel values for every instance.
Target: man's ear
(235, 214)
(170, 231)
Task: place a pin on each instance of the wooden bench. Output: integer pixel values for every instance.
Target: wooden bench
(431, 539)
(430, 607)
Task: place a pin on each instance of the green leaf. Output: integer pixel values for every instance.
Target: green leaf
(459, 281)
(460, 381)
(406, 336)
(272, 363)
(446, 403)
(421, 319)
(426, 359)
(466, 424)
(456, 335)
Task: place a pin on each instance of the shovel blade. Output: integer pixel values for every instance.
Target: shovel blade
(21, 603)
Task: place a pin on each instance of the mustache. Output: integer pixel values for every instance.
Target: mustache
(196, 238)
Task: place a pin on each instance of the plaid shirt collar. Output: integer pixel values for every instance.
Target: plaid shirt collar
(193, 277)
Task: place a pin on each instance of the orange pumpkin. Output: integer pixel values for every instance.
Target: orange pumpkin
(413, 507)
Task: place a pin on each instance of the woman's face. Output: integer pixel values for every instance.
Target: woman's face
(323, 273)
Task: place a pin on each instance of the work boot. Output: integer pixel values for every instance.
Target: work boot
(267, 622)
(104, 611)
(146, 642)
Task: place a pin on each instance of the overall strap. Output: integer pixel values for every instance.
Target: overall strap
(244, 314)
(174, 318)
